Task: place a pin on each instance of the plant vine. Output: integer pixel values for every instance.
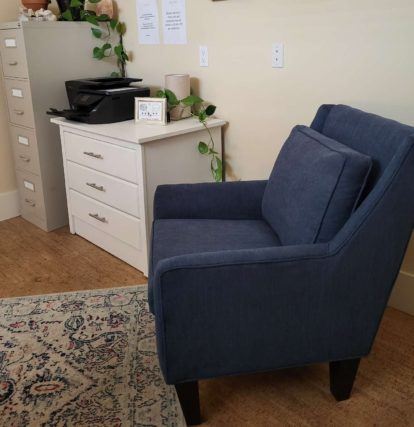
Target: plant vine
(202, 111)
(77, 12)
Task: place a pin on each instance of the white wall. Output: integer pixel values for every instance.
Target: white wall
(356, 52)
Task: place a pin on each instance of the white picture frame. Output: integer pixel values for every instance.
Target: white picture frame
(151, 110)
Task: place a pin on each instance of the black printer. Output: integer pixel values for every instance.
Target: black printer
(101, 100)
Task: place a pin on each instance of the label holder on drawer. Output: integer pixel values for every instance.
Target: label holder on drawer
(10, 43)
(23, 140)
(29, 185)
(17, 93)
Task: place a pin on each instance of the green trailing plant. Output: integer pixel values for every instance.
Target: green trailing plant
(103, 28)
(202, 111)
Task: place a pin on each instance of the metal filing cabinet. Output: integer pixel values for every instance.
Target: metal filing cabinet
(37, 58)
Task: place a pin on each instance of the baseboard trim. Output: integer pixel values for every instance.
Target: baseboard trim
(9, 205)
(402, 297)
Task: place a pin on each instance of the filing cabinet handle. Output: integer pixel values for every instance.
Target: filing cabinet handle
(90, 154)
(30, 202)
(96, 187)
(25, 158)
(12, 63)
(19, 112)
(97, 217)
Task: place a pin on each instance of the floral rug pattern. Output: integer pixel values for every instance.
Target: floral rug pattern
(82, 359)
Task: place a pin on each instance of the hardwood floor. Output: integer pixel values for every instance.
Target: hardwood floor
(34, 262)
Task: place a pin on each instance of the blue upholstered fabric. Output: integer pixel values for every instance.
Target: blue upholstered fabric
(227, 200)
(247, 310)
(314, 187)
(175, 237)
(367, 133)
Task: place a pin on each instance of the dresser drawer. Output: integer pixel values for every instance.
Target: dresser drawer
(19, 101)
(13, 54)
(115, 192)
(31, 194)
(26, 156)
(106, 219)
(104, 157)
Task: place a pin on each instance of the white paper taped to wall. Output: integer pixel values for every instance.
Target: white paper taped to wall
(148, 22)
(174, 22)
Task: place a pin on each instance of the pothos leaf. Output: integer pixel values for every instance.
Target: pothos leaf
(217, 168)
(76, 3)
(121, 28)
(92, 19)
(67, 15)
(106, 47)
(202, 116)
(103, 18)
(98, 53)
(96, 32)
(118, 51)
(210, 110)
(202, 147)
(192, 100)
(171, 97)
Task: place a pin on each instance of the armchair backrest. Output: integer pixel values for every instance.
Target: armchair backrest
(376, 136)
(368, 251)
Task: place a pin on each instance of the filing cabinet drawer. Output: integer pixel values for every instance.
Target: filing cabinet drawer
(13, 54)
(19, 100)
(24, 143)
(109, 220)
(31, 194)
(102, 156)
(112, 191)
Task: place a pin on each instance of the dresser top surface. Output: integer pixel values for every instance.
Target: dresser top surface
(139, 133)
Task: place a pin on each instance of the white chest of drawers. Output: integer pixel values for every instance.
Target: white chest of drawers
(112, 172)
(36, 60)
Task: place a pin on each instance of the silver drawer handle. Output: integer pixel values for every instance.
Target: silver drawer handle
(12, 63)
(25, 159)
(96, 187)
(19, 112)
(97, 217)
(30, 202)
(90, 154)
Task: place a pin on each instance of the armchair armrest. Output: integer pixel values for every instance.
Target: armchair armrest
(227, 200)
(223, 313)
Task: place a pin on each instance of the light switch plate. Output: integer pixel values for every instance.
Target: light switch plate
(203, 56)
(278, 60)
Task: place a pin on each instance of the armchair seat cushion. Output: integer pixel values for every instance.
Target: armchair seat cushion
(174, 237)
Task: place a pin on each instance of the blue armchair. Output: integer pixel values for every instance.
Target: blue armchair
(245, 276)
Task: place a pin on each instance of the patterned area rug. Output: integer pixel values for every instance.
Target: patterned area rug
(82, 359)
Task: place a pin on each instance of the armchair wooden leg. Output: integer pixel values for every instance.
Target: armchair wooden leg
(190, 402)
(342, 375)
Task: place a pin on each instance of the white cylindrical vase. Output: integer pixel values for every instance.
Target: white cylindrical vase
(180, 85)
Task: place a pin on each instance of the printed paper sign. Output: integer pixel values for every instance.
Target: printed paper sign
(148, 22)
(174, 22)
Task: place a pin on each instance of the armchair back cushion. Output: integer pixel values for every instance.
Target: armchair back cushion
(314, 187)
